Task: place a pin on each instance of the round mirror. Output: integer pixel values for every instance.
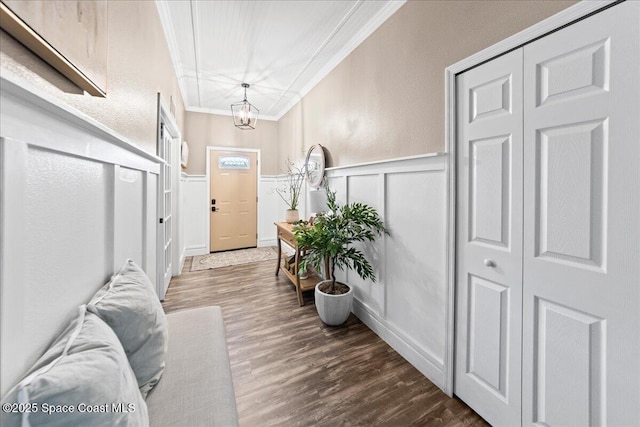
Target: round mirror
(314, 165)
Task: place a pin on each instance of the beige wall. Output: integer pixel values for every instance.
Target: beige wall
(138, 67)
(386, 99)
(202, 130)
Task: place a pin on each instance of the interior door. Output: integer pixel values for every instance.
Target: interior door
(234, 201)
(581, 345)
(165, 201)
(489, 239)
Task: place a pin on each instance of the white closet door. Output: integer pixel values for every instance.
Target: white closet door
(489, 239)
(581, 343)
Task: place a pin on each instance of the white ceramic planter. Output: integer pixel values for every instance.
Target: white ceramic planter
(292, 216)
(333, 309)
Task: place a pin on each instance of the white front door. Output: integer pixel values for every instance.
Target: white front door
(489, 239)
(581, 342)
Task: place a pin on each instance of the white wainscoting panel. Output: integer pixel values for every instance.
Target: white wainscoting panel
(407, 305)
(271, 208)
(195, 214)
(76, 200)
(128, 215)
(151, 226)
(416, 258)
(369, 189)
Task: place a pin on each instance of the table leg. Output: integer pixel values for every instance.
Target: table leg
(279, 256)
(297, 273)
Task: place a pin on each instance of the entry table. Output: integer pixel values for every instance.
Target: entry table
(285, 232)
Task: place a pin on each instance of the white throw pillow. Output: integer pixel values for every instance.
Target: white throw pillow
(129, 304)
(84, 378)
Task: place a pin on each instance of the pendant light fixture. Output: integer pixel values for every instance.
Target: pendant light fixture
(245, 115)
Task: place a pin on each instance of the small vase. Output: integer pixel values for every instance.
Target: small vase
(292, 216)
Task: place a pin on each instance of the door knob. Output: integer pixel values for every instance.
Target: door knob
(213, 209)
(489, 263)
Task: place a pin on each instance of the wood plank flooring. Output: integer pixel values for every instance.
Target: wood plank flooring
(289, 369)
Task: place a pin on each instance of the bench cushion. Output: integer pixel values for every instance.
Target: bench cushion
(84, 378)
(196, 388)
(129, 304)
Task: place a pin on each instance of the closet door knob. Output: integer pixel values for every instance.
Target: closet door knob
(489, 263)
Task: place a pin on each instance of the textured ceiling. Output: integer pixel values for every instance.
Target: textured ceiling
(281, 48)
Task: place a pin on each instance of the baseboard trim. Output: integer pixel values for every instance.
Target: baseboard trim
(196, 250)
(267, 242)
(183, 256)
(424, 364)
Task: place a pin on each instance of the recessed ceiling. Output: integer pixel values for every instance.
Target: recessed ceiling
(281, 48)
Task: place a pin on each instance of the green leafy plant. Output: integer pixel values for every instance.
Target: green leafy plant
(290, 191)
(332, 236)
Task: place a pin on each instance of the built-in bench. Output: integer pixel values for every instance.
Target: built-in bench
(121, 361)
(196, 388)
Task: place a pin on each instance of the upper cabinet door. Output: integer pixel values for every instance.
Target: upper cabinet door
(489, 239)
(581, 345)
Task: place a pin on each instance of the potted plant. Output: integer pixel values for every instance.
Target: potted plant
(290, 191)
(331, 239)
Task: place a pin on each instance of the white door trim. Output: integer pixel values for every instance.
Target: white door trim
(211, 148)
(555, 22)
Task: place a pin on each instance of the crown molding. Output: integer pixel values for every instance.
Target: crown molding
(374, 23)
(225, 113)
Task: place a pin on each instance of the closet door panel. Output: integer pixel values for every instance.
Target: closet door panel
(581, 305)
(489, 239)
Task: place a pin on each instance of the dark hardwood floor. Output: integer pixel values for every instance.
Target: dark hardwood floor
(289, 369)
